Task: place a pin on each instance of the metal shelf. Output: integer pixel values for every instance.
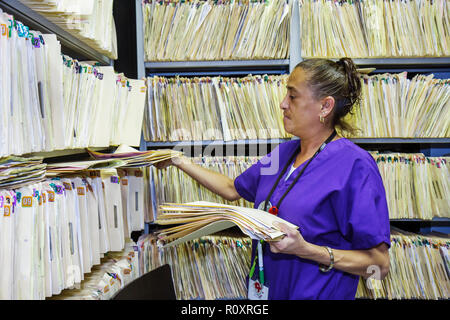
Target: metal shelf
(434, 220)
(155, 144)
(66, 154)
(217, 67)
(212, 142)
(71, 45)
(230, 67)
(420, 61)
(216, 64)
(400, 140)
(420, 65)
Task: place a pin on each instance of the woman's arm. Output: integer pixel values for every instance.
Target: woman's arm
(212, 180)
(359, 262)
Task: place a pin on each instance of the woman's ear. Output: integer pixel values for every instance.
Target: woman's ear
(327, 106)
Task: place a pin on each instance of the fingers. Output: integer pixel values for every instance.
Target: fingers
(285, 228)
(181, 160)
(163, 164)
(273, 247)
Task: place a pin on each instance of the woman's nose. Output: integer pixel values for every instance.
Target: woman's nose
(284, 103)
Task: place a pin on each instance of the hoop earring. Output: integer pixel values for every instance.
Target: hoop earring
(321, 119)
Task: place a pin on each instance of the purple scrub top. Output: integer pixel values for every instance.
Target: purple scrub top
(339, 202)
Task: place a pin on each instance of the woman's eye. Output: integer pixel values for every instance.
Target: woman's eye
(291, 97)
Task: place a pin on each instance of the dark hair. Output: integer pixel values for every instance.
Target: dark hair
(338, 79)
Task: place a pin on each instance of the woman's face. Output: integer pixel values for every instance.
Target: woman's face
(301, 109)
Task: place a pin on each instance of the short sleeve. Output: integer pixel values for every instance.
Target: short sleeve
(246, 183)
(361, 208)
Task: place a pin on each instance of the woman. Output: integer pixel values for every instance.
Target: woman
(323, 183)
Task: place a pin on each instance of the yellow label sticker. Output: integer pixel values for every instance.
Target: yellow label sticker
(51, 196)
(27, 202)
(80, 191)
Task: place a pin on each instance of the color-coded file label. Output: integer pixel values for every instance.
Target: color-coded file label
(27, 202)
(114, 179)
(51, 196)
(80, 191)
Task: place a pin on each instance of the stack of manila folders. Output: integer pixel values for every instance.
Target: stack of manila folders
(201, 218)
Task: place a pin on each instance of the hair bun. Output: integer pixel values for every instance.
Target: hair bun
(353, 79)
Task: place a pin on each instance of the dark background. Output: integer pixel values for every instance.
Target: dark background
(124, 12)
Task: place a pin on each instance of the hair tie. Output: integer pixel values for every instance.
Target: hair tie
(341, 62)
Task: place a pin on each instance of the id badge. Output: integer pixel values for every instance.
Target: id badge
(261, 206)
(256, 291)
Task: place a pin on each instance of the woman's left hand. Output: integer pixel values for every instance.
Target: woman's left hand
(292, 243)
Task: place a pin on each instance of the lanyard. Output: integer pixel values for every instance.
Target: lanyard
(274, 209)
(259, 255)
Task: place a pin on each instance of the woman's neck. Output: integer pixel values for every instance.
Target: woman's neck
(310, 143)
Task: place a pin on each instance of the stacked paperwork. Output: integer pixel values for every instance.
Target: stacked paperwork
(374, 28)
(17, 171)
(53, 232)
(394, 106)
(203, 218)
(89, 20)
(217, 108)
(117, 269)
(419, 269)
(212, 267)
(52, 102)
(211, 30)
(128, 158)
(417, 187)
(135, 158)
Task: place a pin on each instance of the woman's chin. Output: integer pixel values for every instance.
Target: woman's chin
(287, 128)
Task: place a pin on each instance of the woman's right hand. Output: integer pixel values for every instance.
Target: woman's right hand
(163, 164)
(171, 162)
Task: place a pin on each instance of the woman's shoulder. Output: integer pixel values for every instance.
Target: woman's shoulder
(353, 149)
(342, 151)
(286, 147)
(347, 153)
